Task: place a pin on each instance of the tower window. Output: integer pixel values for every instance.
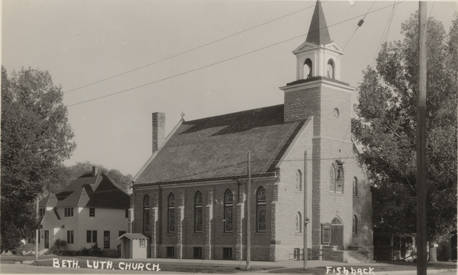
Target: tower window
(298, 222)
(298, 180)
(307, 68)
(331, 69)
(355, 225)
(337, 177)
(355, 186)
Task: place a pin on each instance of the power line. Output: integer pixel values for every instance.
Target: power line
(386, 30)
(213, 64)
(358, 25)
(203, 45)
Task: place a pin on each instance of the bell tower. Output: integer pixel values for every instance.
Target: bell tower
(318, 55)
(320, 95)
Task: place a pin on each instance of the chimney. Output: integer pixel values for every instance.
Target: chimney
(158, 123)
(95, 171)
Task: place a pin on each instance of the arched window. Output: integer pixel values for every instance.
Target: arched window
(355, 225)
(337, 179)
(171, 213)
(355, 186)
(298, 222)
(228, 204)
(146, 214)
(198, 220)
(261, 209)
(331, 69)
(299, 180)
(307, 68)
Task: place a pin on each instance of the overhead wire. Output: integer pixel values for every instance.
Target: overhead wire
(178, 54)
(212, 64)
(358, 25)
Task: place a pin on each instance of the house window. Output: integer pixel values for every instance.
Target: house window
(70, 236)
(197, 252)
(42, 212)
(68, 212)
(142, 243)
(91, 212)
(106, 239)
(331, 69)
(298, 180)
(91, 236)
(261, 209)
(170, 252)
(355, 225)
(227, 253)
(126, 213)
(337, 178)
(298, 222)
(307, 68)
(355, 186)
(121, 232)
(198, 220)
(146, 215)
(171, 213)
(228, 204)
(325, 234)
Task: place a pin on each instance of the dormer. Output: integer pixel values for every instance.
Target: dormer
(318, 56)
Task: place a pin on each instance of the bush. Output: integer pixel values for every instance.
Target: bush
(59, 247)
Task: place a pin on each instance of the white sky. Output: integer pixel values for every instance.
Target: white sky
(81, 41)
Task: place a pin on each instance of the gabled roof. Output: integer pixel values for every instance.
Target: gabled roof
(70, 196)
(100, 190)
(132, 236)
(217, 147)
(108, 195)
(318, 31)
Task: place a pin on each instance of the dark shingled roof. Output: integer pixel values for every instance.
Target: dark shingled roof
(132, 236)
(108, 195)
(318, 31)
(216, 147)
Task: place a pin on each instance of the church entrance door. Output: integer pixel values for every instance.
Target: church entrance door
(337, 233)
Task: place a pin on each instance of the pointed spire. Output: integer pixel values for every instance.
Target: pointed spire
(318, 30)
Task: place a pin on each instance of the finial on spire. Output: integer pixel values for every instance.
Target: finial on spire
(318, 31)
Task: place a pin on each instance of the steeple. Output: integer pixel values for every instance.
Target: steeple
(318, 31)
(318, 55)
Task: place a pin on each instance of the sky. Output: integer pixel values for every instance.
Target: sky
(84, 41)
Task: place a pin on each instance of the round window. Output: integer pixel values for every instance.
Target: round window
(336, 112)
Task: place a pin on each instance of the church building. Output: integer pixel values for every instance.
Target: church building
(190, 198)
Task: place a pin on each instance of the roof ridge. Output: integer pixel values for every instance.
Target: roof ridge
(234, 113)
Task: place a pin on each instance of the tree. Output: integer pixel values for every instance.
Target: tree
(386, 127)
(36, 139)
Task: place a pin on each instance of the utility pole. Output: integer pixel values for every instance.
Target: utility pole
(421, 117)
(37, 230)
(304, 185)
(248, 215)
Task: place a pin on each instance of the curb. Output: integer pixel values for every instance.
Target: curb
(414, 271)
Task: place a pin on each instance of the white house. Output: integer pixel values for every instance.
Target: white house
(91, 210)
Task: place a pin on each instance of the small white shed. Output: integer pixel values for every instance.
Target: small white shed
(133, 245)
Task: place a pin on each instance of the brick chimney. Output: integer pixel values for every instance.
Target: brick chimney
(158, 125)
(95, 170)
